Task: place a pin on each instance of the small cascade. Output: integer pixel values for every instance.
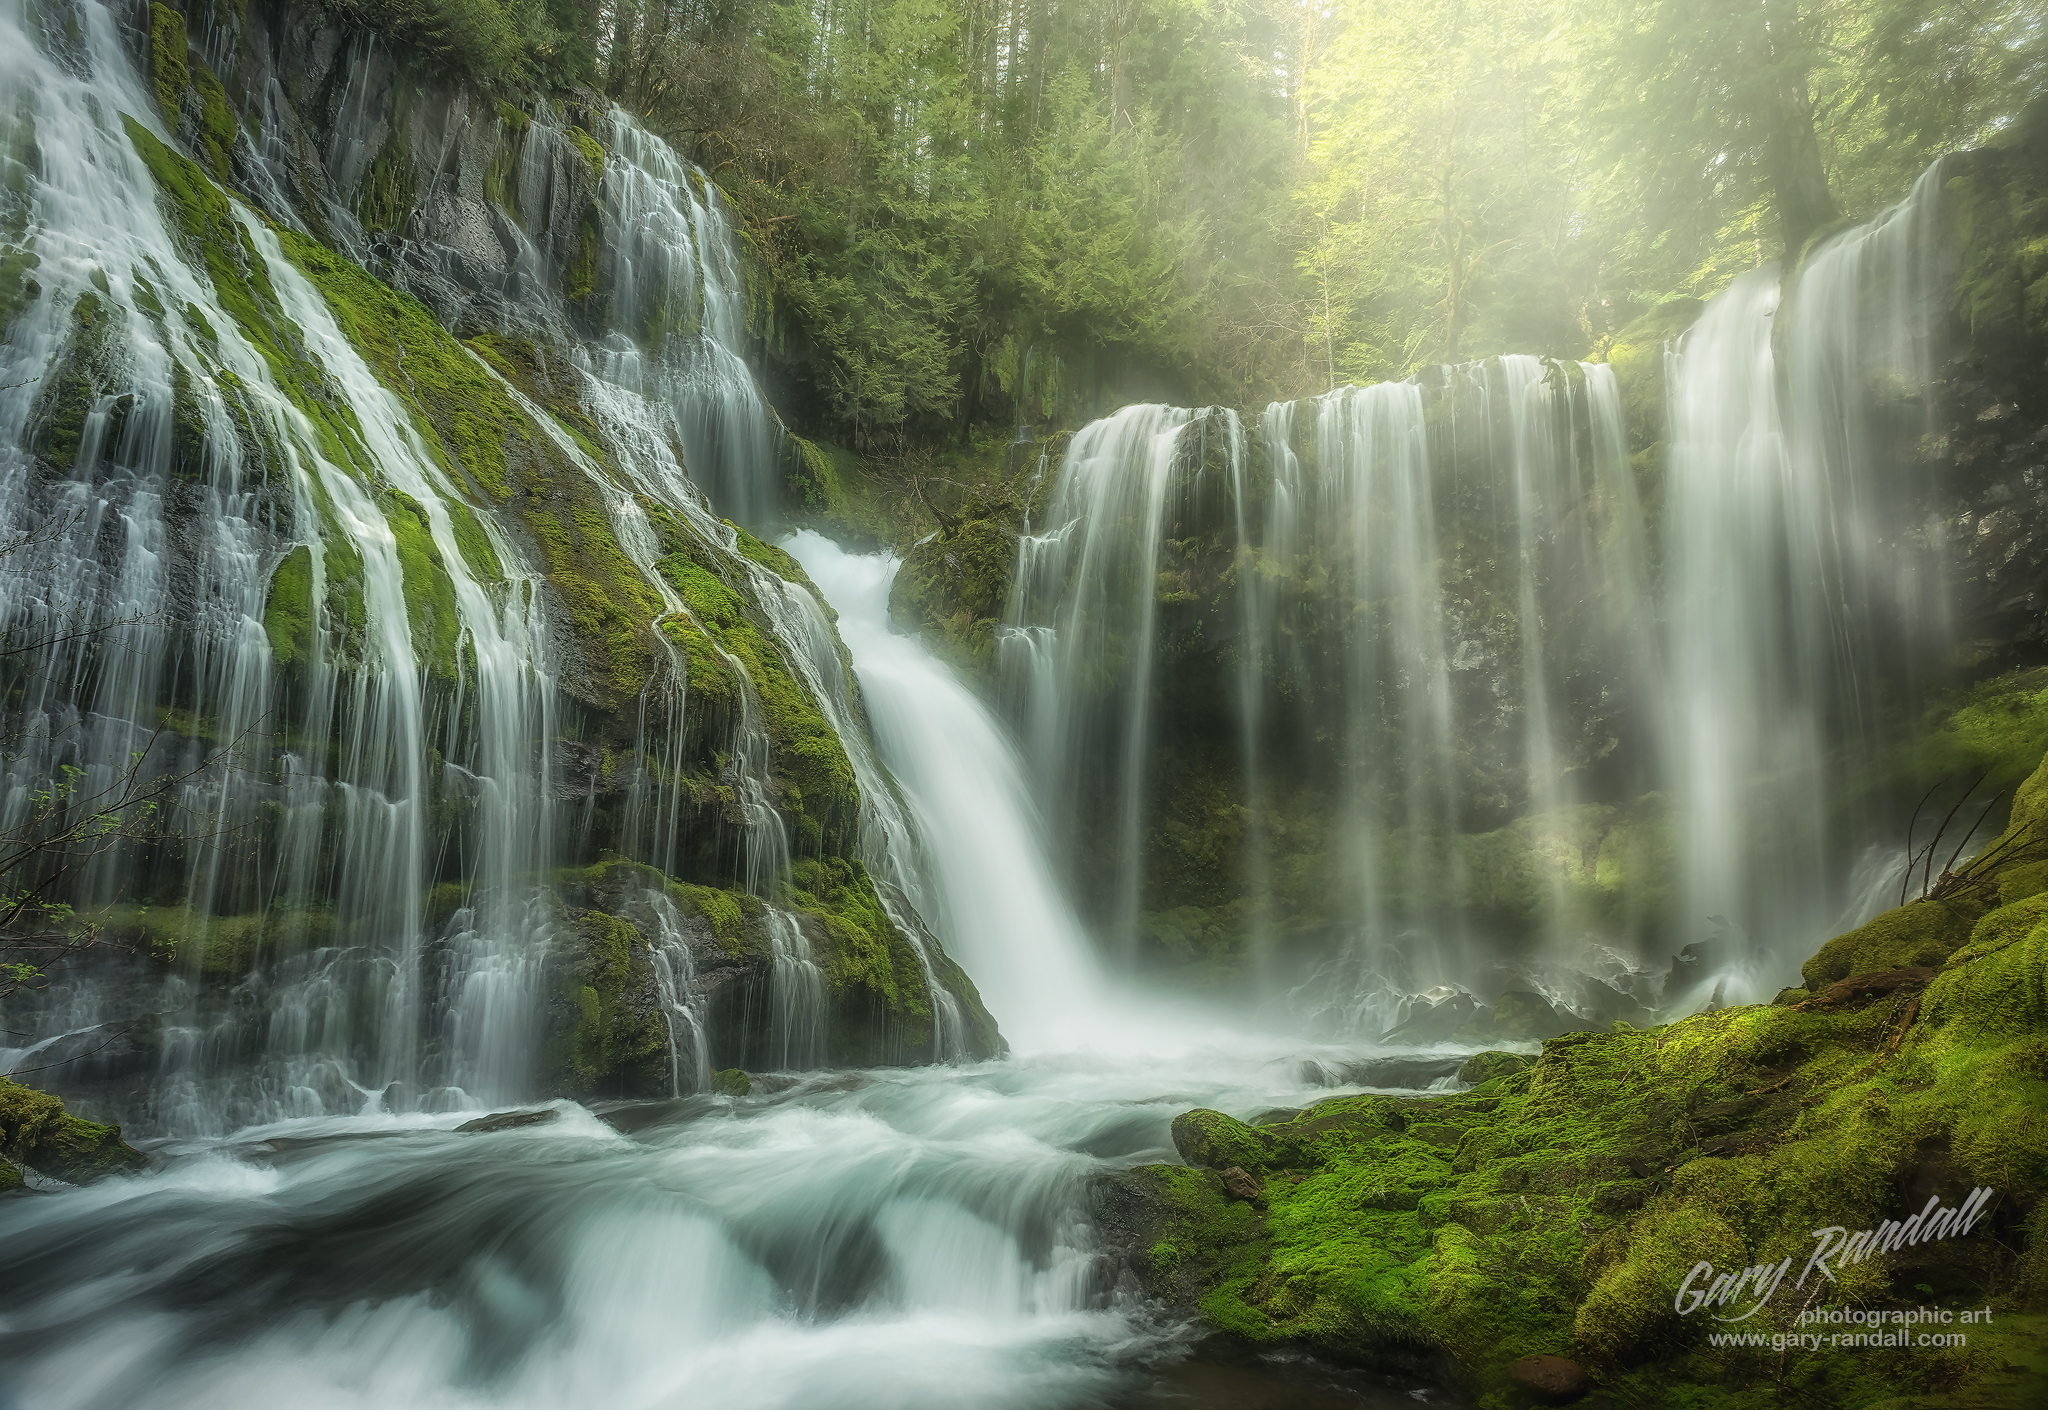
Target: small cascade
(1411, 591)
(677, 310)
(993, 892)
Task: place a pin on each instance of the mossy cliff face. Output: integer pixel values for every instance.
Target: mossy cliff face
(427, 256)
(1557, 1208)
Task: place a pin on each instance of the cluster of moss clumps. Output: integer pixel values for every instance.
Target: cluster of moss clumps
(954, 588)
(191, 99)
(618, 1039)
(36, 1131)
(1555, 1208)
(489, 446)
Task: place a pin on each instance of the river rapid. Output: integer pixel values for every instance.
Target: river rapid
(898, 1238)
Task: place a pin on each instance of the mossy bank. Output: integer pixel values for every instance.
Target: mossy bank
(1556, 1207)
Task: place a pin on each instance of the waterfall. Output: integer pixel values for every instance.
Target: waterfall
(994, 893)
(1097, 587)
(270, 574)
(677, 306)
(252, 571)
(1805, 589)
(1550, 705)
(1323, 568)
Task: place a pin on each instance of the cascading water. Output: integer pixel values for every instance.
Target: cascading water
(1551, 726)
(1804, 593)
(1326, 569)
(993, 894)
(191, 494)
(677, 303)
(892, 1238)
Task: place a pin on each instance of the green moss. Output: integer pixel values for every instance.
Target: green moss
(87, 368)
(1209, 1138)
(391, 187)
(1922, 933)
(216, 120)
(36, 1131)
(726, 913)
(953, 591)
(829, 488)
(1482, 1068)
(514, 120)
(814, 780)
(288, 610)
(579, 276)
(431, 613)
(617, 1036)
(18, 285)
(486, 441)
(732, 1082)
(1637, 356)
(592, 153)
(168, 76)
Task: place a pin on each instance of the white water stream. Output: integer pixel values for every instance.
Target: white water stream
(910, 1239)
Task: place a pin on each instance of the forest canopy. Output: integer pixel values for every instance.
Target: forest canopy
(1234, 200)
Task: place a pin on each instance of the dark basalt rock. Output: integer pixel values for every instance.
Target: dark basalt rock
(511, 1120)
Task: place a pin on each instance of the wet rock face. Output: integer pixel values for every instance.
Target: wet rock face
(465, 202)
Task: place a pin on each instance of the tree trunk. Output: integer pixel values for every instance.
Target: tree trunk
(1799, 181)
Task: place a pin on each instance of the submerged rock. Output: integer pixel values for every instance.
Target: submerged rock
(511, 1120)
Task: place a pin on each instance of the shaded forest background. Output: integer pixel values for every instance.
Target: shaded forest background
(1240, 200)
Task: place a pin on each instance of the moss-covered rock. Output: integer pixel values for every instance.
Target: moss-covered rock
(607, 1035)
(1482, 1068)
(1923, 933)
(36, 1131)
(1636, 354)
(1218, 1142)
(952, 591)
(1557, 1207)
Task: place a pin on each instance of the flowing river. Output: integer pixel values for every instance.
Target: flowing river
(894, 1238)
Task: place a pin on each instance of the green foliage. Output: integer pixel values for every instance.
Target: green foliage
(499, 45)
